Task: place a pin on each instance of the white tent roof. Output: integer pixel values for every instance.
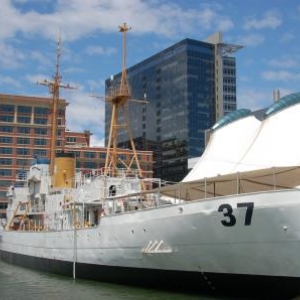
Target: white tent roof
(277, 144)
(247, 144)
(225, 148)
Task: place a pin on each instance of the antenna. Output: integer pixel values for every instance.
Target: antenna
(54, 87)
(118, 95)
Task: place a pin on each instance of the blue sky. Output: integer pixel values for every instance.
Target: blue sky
(92, 45)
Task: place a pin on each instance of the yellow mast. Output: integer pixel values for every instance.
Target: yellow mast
(54, 90)
(119, 97)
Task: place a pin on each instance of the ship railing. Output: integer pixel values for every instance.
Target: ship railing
(86, 176)
(142, 199)
(232, 184)
(32, 225)
(253, 181)
(37, 208)
(22, 176)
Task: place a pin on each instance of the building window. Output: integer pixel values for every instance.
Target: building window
(6, 118)
(22, 162)
(42, 121)
(6, 139)
(40, 153)
(71, 139)
(23, 151)
(24, 109)
(5, 183)
(76, 153)
(6, 150)
(89, 165)
(40, 131)
(89, 154)
(40, 142)
(3, 205)
(6, 161)
(23, 141)
(43, 111)
(103, 155)
(6, 129)
(7, 108)
(22, 119)
(5, 172)
(24, 130)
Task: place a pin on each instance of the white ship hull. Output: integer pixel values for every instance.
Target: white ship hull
(185, 242)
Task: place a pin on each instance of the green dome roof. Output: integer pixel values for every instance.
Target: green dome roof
(233, 116)
(282, 104)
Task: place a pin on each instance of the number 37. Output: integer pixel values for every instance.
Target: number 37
(230, 219)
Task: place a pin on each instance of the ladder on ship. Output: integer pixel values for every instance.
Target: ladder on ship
(23, 216)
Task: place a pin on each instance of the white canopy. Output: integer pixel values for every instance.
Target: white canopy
(247, 144)
(226, 147)
(237, 183)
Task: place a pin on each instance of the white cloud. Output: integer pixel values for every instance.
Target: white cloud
(78, 18)
(43, 60)
(37, 78)
(281, 76)
(84, 112)
(72, 70)
(287, 37)
(270, 19)
(96, 141)
(96, 84)
(6, 80)
(292, 61)
(251, 40)
(254, 99)
(91, 50)
(10, 57)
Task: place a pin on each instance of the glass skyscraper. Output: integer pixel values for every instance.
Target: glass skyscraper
(188, 87)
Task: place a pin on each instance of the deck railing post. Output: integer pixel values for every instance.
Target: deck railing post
(274, 179)
(237, 183)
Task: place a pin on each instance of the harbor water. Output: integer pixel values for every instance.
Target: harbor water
(19, 283)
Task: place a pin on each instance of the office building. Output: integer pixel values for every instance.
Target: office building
(25, 133)
(188, 86)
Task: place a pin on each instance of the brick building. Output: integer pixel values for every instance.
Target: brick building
(25, 133)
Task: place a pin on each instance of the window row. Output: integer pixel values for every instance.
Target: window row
(9, 108)
(19, 161)
(23, 119)
(23, 141)
(102, 155)
(24, 151)
(24, 130)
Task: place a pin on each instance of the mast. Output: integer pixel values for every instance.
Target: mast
(54, 87)
(119, 96)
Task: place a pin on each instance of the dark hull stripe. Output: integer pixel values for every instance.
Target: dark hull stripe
(263, 287)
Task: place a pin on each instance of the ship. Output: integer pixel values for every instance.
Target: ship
(231, 225)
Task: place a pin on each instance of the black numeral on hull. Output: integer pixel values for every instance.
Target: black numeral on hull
(230, 219)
